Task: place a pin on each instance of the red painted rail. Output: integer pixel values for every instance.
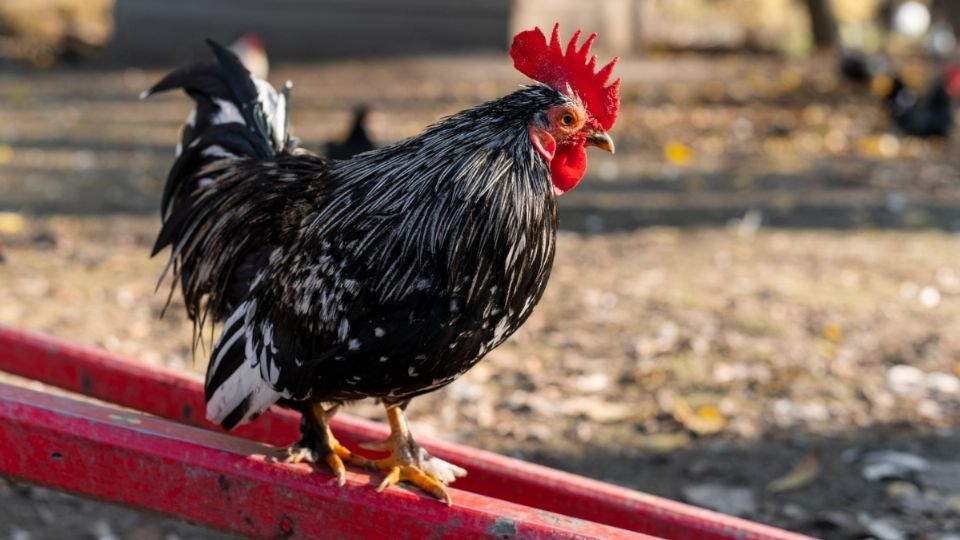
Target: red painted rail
(172, 395)
(236, 485)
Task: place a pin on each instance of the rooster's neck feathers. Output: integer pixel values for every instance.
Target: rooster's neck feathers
(493, 127)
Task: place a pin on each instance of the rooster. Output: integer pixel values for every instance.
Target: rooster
(387, 275)
(926, 114)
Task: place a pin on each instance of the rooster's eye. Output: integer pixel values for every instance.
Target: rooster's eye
(567, 119)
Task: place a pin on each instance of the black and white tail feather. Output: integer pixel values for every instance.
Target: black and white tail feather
(236, 116)
(211, 221)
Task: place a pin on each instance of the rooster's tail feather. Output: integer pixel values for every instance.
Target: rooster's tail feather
(236, 116)
(236, 390)
(207, 203)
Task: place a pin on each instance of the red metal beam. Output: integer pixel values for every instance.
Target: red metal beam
(172, 395)
(236, 485)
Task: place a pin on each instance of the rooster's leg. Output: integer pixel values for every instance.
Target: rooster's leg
(410, 463)
(318, 443)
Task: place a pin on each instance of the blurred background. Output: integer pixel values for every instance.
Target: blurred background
(756, 302)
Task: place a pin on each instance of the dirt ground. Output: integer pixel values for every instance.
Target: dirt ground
(755, 304)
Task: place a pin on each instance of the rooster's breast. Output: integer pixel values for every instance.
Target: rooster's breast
(441, 325)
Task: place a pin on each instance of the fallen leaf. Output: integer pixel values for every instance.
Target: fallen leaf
(597, 410)
(11, 223)
(664, 443)
(881, 85)
(705, 420)
(879, 146)
(833, 333)
(900, 489)
(805, 472)
(789, 79)
(678, 153)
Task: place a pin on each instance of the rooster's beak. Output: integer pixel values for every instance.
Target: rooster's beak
(601, 140)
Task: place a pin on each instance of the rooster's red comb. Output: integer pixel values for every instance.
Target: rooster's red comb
(548, 63)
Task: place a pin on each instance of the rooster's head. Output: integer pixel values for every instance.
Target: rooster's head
(561, 133)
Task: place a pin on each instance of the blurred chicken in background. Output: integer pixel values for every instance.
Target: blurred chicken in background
(919, 39)
(859, 67)
(356, 142)
(922, 114)
(250, 50)
(252, 54)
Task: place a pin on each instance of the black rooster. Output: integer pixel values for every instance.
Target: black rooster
(928, 114)
(387, 275)
(357, 141)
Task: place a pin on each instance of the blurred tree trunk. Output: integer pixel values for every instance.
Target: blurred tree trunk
(822, 23)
